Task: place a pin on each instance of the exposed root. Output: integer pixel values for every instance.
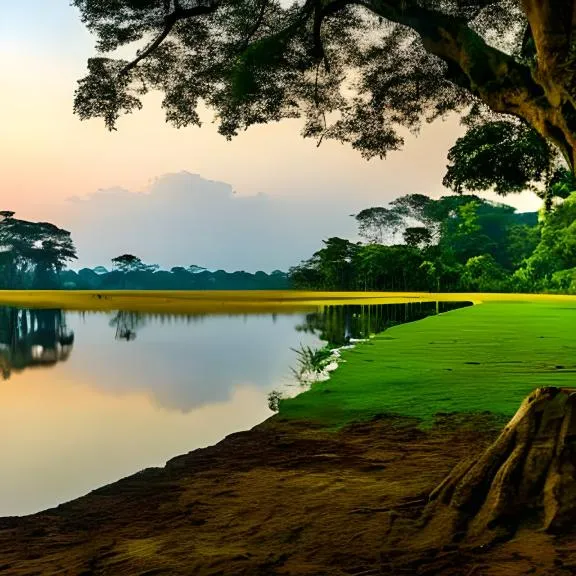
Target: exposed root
(527, 477)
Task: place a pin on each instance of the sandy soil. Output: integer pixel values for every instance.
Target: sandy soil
(286, 498)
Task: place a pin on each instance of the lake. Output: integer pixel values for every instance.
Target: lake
(87, 398)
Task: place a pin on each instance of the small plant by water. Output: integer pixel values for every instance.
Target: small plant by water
(311, 361)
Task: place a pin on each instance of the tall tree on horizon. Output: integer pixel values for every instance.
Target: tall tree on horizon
(126, 263)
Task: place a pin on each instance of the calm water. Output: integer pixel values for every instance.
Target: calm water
(87, 398)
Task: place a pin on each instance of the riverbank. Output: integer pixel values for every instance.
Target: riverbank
(199, 301)
(333, 485)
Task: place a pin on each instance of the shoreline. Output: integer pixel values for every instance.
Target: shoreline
(241, 506)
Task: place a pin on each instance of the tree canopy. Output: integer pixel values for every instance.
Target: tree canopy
(130, 263)
(32, 254)
(356, 70)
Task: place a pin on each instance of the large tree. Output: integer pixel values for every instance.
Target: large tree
(32, 253)
(357, 70)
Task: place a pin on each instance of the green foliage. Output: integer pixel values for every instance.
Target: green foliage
(355, 267)
(483, 274)
(506, 156)
(509, 156)
(311, 361)
(563, 281)
(463, 243)
(255, 65)
(521, 241)
(547, 268)
(331, 268)
(561, 184)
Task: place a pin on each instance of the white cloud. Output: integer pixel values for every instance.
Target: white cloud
(185, 219)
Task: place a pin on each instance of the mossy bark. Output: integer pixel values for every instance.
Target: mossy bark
(527, 477)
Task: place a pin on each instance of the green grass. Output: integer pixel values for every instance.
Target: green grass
(483, 358)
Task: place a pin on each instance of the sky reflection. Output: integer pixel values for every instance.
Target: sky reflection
(114, 407)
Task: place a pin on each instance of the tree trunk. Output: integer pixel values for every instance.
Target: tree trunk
(527, 477)
(541, 94)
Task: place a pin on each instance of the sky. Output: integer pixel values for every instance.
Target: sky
(177, 197)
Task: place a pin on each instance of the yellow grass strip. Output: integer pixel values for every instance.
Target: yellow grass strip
(237, 301)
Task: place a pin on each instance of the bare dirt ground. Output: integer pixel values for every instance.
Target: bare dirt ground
(285, 498)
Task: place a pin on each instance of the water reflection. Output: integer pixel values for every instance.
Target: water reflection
(30, 338)
(183, 362)
(338, 325)
(126, 324)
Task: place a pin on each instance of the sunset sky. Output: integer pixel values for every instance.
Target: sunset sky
(47, 156)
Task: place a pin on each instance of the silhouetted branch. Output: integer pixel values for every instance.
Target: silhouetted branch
(257, 24)
(170, 21)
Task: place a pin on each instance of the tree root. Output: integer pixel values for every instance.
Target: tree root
(527, 477)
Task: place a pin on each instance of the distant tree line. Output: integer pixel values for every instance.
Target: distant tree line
(130, 273)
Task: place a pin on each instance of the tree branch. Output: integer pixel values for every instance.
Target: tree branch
(320, 13)
(170, 21)
(257, 25)
(501, 82)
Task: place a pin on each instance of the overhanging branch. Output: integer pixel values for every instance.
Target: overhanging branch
(170, 21)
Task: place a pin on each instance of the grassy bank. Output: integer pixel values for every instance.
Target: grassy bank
(482, 358)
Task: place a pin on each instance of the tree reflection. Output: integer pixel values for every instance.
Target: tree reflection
(337, 325)
(35, 337)
(127, 323)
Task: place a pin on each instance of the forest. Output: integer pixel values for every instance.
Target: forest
(459, 242)
(151, 277)
(453, 244)
(462, 242)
